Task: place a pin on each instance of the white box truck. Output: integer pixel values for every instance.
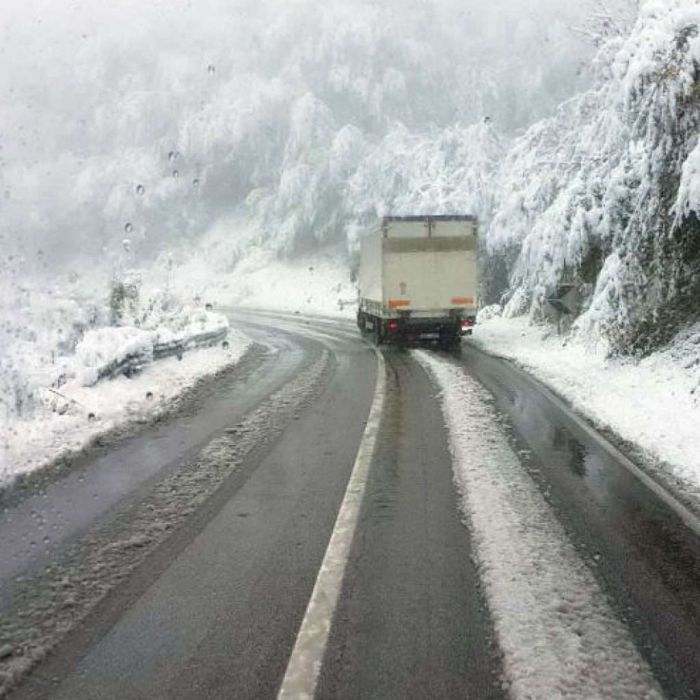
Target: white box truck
(418, 279)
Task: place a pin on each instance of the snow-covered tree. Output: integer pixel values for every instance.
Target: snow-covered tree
(604, 194)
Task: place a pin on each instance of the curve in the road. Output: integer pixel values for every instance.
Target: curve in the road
(406, 614)
(39, 526)
(247, 558)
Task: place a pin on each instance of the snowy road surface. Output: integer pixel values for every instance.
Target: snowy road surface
(498, 548)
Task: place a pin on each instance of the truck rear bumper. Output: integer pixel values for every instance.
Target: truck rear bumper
(404, 329)
(420, 330)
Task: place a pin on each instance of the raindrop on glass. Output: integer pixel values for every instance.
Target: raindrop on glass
(140, 189)
(176, 173)
(195, 183)
(211, 68)
(172, 156)
(126, 244)
(128, 227)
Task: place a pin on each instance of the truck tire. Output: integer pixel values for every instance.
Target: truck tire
(377, 334)
(449, 339)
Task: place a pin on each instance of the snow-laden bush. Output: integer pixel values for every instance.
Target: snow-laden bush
(60, 334)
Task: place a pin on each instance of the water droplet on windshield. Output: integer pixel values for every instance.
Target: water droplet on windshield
(128, 227)
(211, 68)
(172, 156)
(126, 244)
(149, 395)
(195, 183)
(176, 173)
(140, 189)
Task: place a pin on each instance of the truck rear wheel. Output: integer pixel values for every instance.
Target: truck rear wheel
(449, 338)
(362, 322)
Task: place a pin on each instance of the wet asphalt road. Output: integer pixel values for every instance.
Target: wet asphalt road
(411, 622)
(646, 558)
(214, 613)
(65, 508)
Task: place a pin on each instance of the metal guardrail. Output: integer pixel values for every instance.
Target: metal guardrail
(135, 362)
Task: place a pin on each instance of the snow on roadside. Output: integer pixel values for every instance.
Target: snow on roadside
(312, 284)
(103, 347)
(559, 637)
(653, 403)
(316, 282)
(70, 419)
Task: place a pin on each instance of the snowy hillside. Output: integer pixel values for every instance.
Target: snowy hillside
(146, 122)
(189, 144)
(155, 162)
(604, 195)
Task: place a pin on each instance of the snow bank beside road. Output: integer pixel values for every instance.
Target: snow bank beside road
(558, 635)
(69, 420)
(653, 403)
(318, 282)
(313, 284)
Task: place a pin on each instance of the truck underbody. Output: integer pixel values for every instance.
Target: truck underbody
(404, 329)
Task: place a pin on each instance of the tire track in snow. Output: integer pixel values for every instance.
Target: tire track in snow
(558, 635)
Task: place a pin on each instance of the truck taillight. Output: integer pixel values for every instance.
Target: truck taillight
(468, 323)
(393, 326)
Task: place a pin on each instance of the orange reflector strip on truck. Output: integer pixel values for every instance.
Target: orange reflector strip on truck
(398, 303)
(463, 301)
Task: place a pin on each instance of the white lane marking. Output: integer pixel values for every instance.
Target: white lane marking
(305, 662)
(559, 636)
